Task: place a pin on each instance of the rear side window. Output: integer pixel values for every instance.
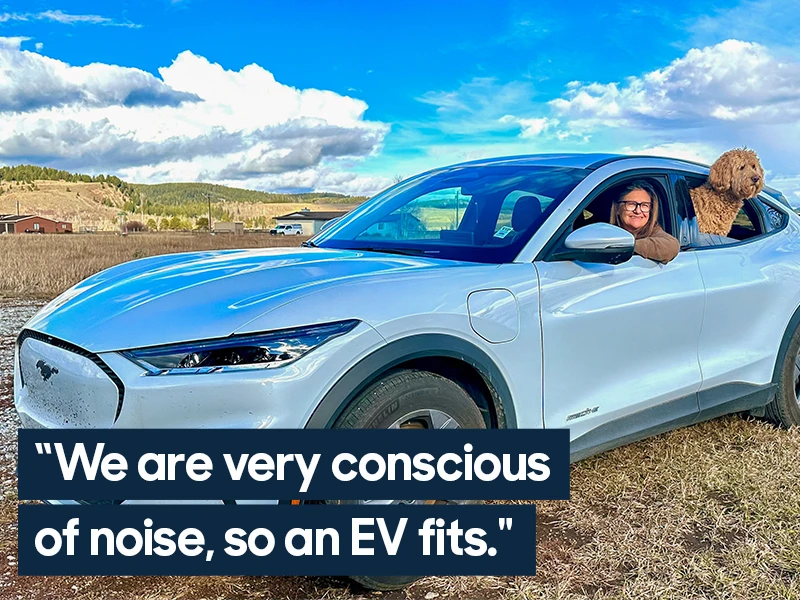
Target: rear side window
(775, 219)
(755, 218)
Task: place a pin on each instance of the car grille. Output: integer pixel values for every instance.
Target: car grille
(66, 386)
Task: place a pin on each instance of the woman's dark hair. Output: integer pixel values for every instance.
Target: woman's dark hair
(652, 221)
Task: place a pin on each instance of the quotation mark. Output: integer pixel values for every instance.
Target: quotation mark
(46, 446)
(505, 524)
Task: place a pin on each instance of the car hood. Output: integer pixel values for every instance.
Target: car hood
(192, 296)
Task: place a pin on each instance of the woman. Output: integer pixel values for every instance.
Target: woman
(637, 212)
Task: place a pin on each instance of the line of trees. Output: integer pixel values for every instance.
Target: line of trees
(179, 194)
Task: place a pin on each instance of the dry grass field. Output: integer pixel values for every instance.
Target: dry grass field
(43, 266)
(707, 512)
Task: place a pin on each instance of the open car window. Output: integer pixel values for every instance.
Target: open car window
(599, 209)
(756, 218)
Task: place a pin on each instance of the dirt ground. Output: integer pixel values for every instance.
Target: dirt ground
(711, 511)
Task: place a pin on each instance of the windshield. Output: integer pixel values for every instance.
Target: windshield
(473, 213)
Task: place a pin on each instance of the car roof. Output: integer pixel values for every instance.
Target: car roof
(588, 161)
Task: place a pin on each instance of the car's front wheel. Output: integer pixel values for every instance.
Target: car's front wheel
(408, 399)
(785, 409)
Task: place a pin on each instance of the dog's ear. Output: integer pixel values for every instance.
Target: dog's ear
(761, 174)
(721, 174)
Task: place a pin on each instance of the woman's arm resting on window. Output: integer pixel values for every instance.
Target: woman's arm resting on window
(660, 246)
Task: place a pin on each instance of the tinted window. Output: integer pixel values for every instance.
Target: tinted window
(474, 213)
(422, 218)
(774, 219)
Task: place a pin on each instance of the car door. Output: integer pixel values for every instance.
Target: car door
(620, 341)
(748, 300)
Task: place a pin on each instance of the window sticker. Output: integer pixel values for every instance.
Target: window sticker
(503, 231)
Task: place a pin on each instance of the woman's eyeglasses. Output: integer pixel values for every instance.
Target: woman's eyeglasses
(631, 206)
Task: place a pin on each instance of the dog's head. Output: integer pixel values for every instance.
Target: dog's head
(739, 172)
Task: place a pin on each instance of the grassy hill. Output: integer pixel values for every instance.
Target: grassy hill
(82, 204)
(103, 201)
(175, 194)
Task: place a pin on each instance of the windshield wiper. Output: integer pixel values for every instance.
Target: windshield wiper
(403, 251)
(309, 244)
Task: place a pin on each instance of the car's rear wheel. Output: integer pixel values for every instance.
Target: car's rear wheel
(408, 399)
(785, 409)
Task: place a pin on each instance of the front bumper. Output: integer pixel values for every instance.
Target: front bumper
(57, 385)
(283, 397)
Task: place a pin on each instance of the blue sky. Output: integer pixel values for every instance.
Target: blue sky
(345, 96)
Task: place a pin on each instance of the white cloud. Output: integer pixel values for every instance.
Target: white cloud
(530, 128)
(707, 101)
(12, 43)
(479, 105)
(197, 121)
(30, 81)
(712, 99)
(62, 17)
(694, 151)
(58, 16)
(486, 111)
(39, 46)
(732, 81)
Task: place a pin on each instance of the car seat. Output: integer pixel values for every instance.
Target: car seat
(527, 210)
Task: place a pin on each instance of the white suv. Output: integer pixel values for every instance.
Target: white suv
(487, 295)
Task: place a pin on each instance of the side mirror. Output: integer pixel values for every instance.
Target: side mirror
(597, 243)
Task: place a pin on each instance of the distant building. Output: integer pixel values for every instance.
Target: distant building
(32, 224)
(311, 220)
(397, 226)
(227, 227)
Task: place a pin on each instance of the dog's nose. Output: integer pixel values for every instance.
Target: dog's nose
(755, 178)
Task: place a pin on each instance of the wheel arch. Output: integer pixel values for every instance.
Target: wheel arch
(445, 355)
(794, 322)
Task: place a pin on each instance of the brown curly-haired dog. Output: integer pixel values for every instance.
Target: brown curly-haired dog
(734, 177)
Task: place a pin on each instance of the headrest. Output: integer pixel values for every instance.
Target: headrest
(526, 211)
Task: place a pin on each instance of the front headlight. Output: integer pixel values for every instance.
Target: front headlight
(251, 351)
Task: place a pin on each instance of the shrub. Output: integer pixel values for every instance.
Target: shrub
(133, 227)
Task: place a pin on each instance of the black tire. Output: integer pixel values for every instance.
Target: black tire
(785, 409)
(404, 391)
(383, 584)
(401, 393)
